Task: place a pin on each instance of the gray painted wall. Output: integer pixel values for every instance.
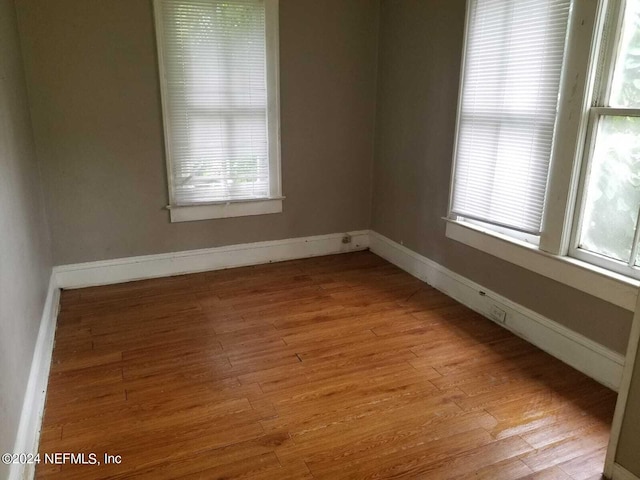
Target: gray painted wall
(418, 75)
(25, 265)
(628, 453)
(93, 81)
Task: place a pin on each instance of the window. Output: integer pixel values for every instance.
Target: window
(607, 231)
(508, 109)
(218, 64)
(547, 157)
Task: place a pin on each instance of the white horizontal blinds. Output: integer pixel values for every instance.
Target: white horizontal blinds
(513, 62)
(216, 99)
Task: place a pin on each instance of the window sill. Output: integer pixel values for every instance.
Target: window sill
(604, 284)
(232, 208)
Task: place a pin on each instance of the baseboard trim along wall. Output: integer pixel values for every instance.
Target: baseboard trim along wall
(217, 258)
(578, 351)
(621, 473)
(28, 435)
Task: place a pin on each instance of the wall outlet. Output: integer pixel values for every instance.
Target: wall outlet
(497, 314)
(346, 239)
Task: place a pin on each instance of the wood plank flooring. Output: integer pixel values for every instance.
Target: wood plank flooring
(326, 368)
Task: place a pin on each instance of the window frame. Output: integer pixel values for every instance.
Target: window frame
(231, 207)
(553, 256)
(604, 71)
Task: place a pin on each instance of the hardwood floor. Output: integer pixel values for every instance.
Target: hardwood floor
(326, 368)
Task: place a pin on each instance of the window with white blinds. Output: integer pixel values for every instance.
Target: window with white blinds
(512, 67)
(218, 100)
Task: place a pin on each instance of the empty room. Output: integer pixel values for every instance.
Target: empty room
(320, 239)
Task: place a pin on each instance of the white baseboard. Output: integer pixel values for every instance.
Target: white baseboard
(168, 264)
(583, 354)
(621, 473)
(28, 435)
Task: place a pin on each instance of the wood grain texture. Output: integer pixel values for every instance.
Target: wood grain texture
(333, 367)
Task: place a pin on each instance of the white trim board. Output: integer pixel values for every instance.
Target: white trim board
(621, 473)
(217, 258)
(583, 354)
(225, 210)
(28, 435)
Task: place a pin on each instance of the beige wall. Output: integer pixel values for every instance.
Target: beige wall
(418, 74)
(628, 453)
(25, 265)
(93, 81)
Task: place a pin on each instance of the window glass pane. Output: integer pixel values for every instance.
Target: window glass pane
(613, 189)
(625, 86)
